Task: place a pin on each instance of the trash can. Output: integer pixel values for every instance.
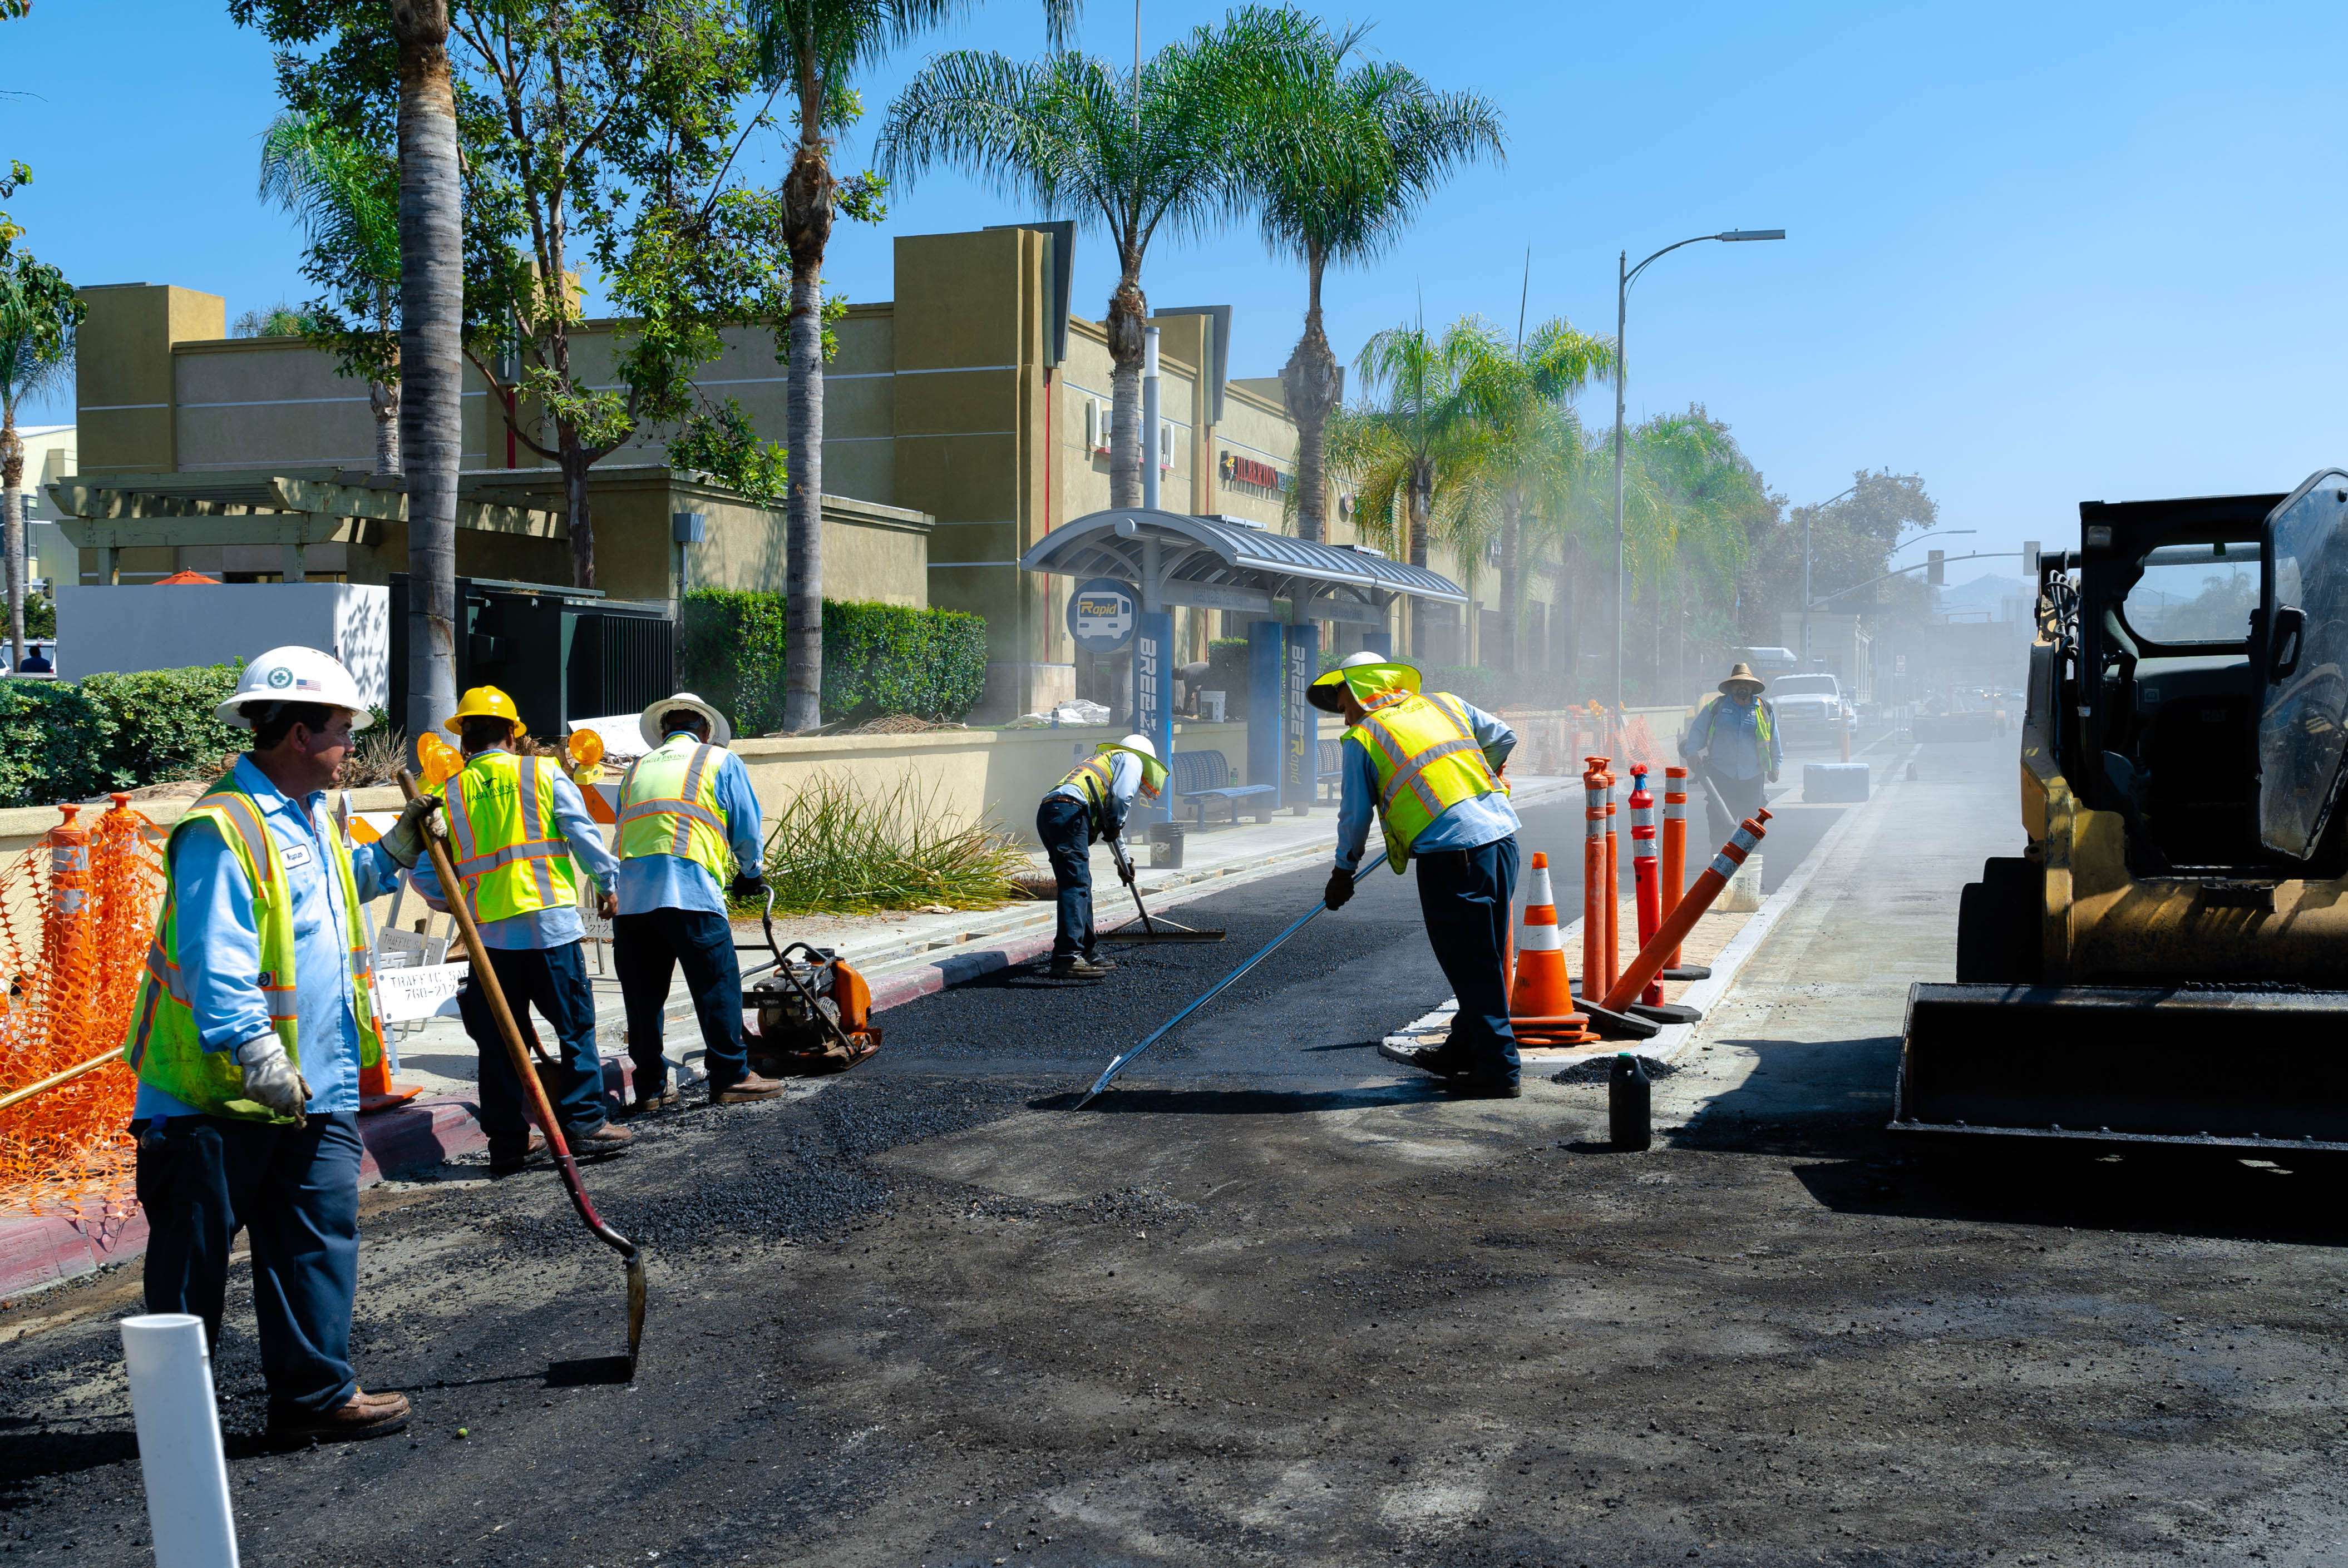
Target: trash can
(1165, 847)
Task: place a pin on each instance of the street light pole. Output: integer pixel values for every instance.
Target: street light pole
(1807, 513)
(1624, 276)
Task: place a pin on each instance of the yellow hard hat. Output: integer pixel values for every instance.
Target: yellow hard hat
(484, 702)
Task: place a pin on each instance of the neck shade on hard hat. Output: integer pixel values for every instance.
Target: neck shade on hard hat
(1365, 676)
(1153, 772)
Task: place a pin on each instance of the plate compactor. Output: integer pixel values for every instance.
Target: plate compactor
(2166, 959)
(814, 1014)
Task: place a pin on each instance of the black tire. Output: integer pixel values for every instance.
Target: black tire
(1999, 919)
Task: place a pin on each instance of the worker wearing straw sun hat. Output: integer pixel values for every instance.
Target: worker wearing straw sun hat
(688, 818)
(1734, 741)
(1430, 766)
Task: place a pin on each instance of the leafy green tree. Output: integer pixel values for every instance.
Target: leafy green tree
(1133, 153)
(1851, 541)
(347, 195)
(1341, 153)
(1412, 447)
(1690, 494)
(39, 316)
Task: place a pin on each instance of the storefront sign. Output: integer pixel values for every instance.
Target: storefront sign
(1100, 615)
(1253, 473)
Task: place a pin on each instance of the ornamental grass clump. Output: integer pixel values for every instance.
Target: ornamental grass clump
(837, 850)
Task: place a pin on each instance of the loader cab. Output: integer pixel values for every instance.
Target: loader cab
(2158, 720)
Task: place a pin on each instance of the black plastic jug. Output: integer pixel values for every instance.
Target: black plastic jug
(1630, 1104)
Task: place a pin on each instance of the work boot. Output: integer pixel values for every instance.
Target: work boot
(600, 1139)
(1438, 1060)
(364, 1416)
(506, 1163)
(663, 1099)
(1080, 968)
(744, 1089)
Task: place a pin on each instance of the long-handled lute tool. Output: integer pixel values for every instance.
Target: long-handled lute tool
(1114, 1068)
(1151, 931)
(567, 1167)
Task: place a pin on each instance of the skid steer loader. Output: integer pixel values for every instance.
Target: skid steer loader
(2166, 959)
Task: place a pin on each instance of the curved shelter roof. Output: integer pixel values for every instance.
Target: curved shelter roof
(1173, 558)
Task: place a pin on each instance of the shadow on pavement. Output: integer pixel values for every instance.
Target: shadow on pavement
(1244, 1101)
(2176, 1191)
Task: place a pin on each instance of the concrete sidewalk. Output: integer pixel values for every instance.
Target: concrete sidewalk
(904, 956)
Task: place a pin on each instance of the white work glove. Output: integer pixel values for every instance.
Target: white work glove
(405, 839)
(270, 1078)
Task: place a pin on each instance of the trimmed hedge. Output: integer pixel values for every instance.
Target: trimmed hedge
(876, 658)
(69, 740)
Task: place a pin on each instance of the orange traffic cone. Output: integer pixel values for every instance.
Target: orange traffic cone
(1540, 999)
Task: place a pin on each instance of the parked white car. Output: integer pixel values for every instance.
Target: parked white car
(1812, 701)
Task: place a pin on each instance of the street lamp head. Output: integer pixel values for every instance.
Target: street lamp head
(1750, 234)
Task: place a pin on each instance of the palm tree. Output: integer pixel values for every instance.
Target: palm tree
(814, 48)
(1131, 152)
(431, 352)
(1342, 159)
(39, 315)
(1686, 509)
(347, 195)
(1412, 447)
(1533, 466)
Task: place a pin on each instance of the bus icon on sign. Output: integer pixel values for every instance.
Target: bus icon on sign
(1100, 615)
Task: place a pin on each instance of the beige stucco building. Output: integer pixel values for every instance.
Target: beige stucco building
(962, 419)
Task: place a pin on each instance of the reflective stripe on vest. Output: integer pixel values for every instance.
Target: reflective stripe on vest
(668, 806)
(1094, 777)
(162, 1044)
(1762, 728)
(509, 854)
(1427, 759)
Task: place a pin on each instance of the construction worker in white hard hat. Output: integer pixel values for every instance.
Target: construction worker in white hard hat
(1090, 803)
(689, 836)
(518, 832)
(250, 1028)
(1432, 766)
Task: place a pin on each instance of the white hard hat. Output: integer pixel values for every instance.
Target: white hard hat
(1140, 744)
(295, 674)
(649, 725)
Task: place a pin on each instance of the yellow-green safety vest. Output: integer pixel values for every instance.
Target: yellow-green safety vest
(668, 806)
(510, 853)
(1428, 761)
(162, 1046)
(1094, 775)
(1763, 723)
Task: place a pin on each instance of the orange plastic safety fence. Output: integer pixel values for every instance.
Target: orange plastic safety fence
(77, 919)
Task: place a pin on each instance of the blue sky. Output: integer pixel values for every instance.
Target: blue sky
(2037, 253)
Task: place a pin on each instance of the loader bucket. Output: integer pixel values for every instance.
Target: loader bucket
(2122, 1065)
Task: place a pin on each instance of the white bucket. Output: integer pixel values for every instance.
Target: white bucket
(1743, 893)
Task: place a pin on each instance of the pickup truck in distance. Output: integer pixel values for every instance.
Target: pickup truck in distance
(1812, 701)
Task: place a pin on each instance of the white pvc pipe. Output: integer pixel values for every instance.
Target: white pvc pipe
(1150, 436)
(180, 1440)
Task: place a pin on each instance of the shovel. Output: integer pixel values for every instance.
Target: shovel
(1151, 931)
(568, 1168)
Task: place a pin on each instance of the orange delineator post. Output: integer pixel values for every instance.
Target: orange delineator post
(1642, 869)
(1613, 893)
(1675, 870)
(1650, 961)
(1593, 879)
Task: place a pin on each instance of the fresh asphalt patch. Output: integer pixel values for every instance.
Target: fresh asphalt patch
(1269, 1300)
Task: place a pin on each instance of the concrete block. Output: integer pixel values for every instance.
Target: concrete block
(1833, 781)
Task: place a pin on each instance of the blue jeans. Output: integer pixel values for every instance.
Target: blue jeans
(646, 949)
(554, 981)
(1065, 826)
(295, 1191)
(1463, 895)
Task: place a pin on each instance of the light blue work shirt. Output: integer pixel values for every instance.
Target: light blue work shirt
(1733, 729)
(559, 926)
(220, 942)
(649, 882)
(1486, 818)
(1124, 784)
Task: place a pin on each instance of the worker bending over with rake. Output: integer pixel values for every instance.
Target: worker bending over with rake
(517, 825)
(248, 1034)
(1091, 803)
(1431, 765)
(688, 818)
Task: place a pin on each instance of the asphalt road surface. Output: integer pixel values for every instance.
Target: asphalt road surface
(1270, 1302)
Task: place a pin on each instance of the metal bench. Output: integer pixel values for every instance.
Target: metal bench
(1202, 777)
(1329, 768)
